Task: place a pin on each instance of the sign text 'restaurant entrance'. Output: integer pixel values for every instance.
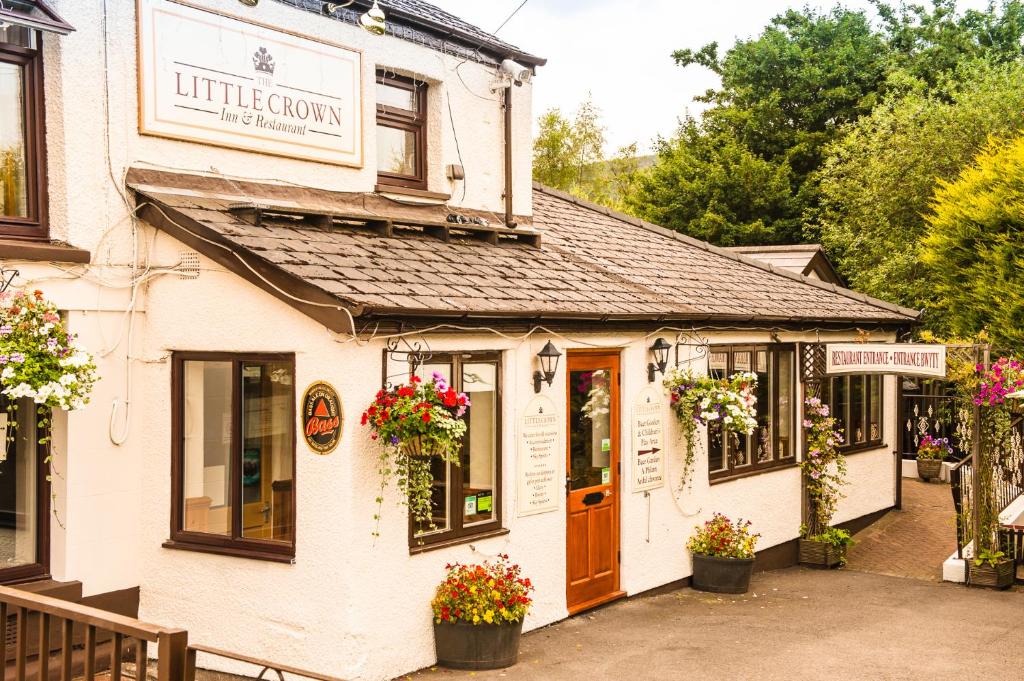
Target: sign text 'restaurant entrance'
(886, 358)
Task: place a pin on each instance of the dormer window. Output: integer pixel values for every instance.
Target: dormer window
(401, 132)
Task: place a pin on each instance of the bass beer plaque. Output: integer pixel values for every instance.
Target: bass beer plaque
(322, 419)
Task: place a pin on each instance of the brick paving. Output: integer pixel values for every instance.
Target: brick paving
(912, 542)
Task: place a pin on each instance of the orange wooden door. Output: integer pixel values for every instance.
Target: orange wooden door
(592, 482)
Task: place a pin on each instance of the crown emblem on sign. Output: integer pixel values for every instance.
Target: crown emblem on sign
(263, 62)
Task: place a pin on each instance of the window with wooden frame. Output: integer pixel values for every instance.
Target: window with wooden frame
(24, 493)
(773, 442)
(467, 497)
(22, 133)
(401, 131)
(233, 454)
(856, 403)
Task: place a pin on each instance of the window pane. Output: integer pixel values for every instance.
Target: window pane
(590, 428)
(267, 431)
(875, 401)
(716, 447)
(761, 440)
(857, 395)
(19, 485)
(840, 403)
(741, 361)
(13, 197)
(208, 430)
(397, 97)
(718, 364)
(396, 151)
(479, 472)
(18, 35)
(784, 409)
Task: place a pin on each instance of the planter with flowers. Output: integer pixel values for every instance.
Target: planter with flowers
(930, 454)
(478, 615)
(698, 400)
(39, 359)
(723, 555)
(824, 470)
(414, 422)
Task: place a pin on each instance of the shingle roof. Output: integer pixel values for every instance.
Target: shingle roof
(591, 264)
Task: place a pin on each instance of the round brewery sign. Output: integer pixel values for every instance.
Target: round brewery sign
(322, 419)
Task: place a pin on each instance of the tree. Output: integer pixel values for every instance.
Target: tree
(878, 180)
(974, 247)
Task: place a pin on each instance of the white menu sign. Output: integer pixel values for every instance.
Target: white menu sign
(648, 440)
(215, 79)
(908, 359)
(541, 459)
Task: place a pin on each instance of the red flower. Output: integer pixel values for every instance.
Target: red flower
(364, 419)
(426, 417)
(415, 379)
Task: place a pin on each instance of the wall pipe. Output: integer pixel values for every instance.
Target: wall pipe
(509, 220)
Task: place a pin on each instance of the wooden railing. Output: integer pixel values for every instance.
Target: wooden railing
(79, 641)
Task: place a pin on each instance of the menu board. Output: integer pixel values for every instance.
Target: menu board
(648, 440)
(541, 459)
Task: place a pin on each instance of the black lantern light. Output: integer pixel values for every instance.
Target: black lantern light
(660, 351)
(548, 364)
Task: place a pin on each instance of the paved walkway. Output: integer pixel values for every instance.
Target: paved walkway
(912, 542)
(795, 625)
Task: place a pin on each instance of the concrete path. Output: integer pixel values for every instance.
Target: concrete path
(912, 542)
(795, 625)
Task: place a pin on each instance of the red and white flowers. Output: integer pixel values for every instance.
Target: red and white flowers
(494, 592)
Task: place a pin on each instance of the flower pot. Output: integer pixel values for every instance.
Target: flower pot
(819, 554)
(418, 446)
(722, 575)
(998, 576)
(463, 645)
(929, 469)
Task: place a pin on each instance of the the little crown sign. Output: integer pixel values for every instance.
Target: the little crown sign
(322, 419)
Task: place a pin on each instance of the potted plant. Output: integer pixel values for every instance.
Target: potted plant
(700, 400)
(723, 555)
(414, 422)
(824, 469)
(930, 454)
(478, 615)
(992, 569)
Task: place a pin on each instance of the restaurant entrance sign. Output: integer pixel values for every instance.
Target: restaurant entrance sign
(906, 359)
(215, 79)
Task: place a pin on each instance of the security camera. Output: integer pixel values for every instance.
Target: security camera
(517, 72)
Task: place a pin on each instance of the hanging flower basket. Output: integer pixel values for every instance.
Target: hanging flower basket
(413, 423)
(39, 359)
(700, 400)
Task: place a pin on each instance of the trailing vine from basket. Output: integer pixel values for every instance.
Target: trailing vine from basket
(698, 400)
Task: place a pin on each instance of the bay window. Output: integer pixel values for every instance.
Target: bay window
(772, 443)
(467, 498)
(234, 454)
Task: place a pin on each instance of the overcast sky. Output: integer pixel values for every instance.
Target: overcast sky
(621, 52)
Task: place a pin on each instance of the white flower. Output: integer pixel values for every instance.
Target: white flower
(68, 379)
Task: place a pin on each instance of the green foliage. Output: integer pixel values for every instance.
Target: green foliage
(993, 558)
(878, 180)
(832, 535)
(824, 466)
(973, 247)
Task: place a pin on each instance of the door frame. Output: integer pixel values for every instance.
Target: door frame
(41, 568)
(616, 473)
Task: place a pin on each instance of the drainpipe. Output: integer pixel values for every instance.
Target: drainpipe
(509, 221)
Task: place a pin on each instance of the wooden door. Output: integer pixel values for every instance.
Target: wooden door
(592, 480)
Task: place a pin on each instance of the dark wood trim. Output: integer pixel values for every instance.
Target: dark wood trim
(410, 121)
(39, 570)
(124, 602)
(750, 472)
(235, 545)
(777, 557)
(827, 394)
(35, 225)
(898, 439)
(12, 248)
(457, 534)
(408, 191)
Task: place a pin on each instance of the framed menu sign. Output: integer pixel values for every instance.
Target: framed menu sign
(648, 440)
(541, 460)
(217, 79)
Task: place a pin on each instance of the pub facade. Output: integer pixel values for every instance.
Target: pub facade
(256, 217)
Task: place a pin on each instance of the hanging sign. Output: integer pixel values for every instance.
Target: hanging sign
(216, 79)
(907, 359)
(648, 440)
(541, 458)
(322, 419)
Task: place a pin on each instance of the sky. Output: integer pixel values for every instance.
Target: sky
(620, 52)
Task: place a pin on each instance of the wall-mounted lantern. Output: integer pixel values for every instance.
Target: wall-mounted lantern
(660, 352)
(548, 366)
(373, 20)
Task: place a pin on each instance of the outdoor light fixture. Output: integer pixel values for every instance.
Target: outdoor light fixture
(660, 351)
(373, 20)
(548, 364)
(250, 3)
(332, 7)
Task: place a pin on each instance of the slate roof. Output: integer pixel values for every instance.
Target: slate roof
(800, 258)
(591, 264)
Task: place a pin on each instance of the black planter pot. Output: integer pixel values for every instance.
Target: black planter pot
(462, 645)
(722, 575)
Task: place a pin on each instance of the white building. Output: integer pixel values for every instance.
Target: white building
(235, 203)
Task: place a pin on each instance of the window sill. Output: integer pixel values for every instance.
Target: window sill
(456, 541)
(409, 191)
(43, 251)
(860, 449)
(786, 465)
(235, 551)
